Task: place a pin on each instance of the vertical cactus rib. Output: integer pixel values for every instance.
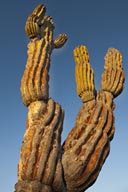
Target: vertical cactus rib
(45, 145)
(84, 74)
(53, 156)
(113, 75)
(93, 169)
(107, 99)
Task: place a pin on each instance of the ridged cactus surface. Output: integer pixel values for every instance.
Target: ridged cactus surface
(45, 165)
(39, 28)
(40, 167)
(35, 21)
(113, 76)
(84, 74)
(40, 158)
(88, 144)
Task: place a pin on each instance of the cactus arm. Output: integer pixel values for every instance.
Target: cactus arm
(35, 23)
(84, 74)
(32, 28)
(113, 75)
(34, 83)
(88, 143)
(39, 12)
(60, 40)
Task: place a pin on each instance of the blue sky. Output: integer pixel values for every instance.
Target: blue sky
(97, 24)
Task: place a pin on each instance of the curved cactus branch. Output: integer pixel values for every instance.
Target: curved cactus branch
(88, 143)
(60, 40)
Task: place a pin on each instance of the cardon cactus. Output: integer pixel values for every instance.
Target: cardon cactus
(45, 165)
